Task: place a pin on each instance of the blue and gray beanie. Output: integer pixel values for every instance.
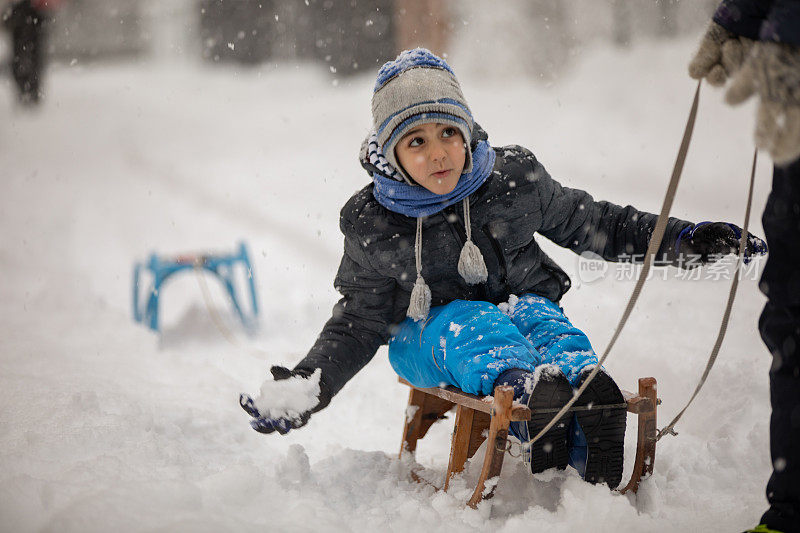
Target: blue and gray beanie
(417, 87)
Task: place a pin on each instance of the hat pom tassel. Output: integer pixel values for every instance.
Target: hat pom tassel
(420, 303)
(471, 265)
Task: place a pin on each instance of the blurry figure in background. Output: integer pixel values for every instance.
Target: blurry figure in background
(421, 23)
(26, 21)
(756, 44)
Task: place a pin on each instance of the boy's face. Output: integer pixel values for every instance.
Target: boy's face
(433, 155)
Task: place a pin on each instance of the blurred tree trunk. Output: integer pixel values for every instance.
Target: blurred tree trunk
(237, 30)
(93, 29)
(423, 23)
(294, 30)
(621, 22)
(353, 35)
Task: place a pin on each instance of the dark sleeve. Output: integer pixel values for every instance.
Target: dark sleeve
(743, 17)
(359, 323)
(573, 219)
(783, 23)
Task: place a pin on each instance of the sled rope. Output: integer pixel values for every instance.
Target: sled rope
(669, 428)
(652, 249)
(215, 318)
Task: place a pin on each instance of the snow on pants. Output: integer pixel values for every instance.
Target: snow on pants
(779, 326)
(469, 343)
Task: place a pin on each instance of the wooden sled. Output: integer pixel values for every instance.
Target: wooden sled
(479, 419)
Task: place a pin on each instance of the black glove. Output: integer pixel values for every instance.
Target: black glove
(711, 240)
(283, 424)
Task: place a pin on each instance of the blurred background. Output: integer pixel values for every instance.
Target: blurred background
(349, 36)
(187, 126)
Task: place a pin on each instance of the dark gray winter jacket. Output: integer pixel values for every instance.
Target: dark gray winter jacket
(518, 200)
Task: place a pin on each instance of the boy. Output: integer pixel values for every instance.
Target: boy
(447, 205)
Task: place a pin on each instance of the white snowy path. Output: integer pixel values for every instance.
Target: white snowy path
(105, 428)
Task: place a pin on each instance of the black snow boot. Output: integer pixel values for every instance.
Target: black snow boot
(548, 395)
(604, 429)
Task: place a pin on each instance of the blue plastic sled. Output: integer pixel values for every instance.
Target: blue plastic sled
(160, 269)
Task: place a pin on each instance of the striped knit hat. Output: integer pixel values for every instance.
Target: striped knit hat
(417, 87)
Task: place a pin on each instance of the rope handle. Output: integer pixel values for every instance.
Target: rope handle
(215, 317)
(669, 428)
(652, 250)
(218, 321)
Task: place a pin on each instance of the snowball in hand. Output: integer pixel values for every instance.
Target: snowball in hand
(288, 398)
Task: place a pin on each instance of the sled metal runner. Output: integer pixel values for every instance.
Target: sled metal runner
(479, 419)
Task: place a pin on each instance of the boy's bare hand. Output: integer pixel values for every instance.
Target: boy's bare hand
(719, 56)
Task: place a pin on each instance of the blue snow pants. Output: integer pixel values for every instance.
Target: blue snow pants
(469, 343)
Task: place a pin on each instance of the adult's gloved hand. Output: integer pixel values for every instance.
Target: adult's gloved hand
(711, 240)
(719, 56)
(772, 70)
(286, 401)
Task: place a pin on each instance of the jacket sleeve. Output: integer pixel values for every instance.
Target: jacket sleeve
(761, 20)
(573, 219)
(359, 324)
(743, 17)
(783, 23)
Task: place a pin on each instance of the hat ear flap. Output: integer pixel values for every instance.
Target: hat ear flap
(467, 155)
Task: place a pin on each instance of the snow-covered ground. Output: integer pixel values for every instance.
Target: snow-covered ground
(106, 427)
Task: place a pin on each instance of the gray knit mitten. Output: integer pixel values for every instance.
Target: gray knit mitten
(772, 70)
(719, 55)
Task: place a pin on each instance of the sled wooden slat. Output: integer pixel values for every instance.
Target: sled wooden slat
(646, 440)
(423, 410)
(480, 426)
(496, 445)
(462, 435)
(519, 412)
(479, 419)
(639, 404)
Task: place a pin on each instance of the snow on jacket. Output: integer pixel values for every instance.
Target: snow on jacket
(518, 200)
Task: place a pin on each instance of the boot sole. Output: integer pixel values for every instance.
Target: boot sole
(604, 430)
(551, 450)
